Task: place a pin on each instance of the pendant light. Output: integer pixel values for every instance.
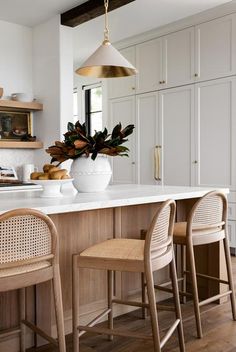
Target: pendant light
(106, 61)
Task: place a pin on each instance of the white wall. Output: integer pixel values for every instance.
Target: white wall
(15, 58)
(15, 76)
(53, 82)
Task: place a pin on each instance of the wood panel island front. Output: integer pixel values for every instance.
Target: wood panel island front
(83, 219)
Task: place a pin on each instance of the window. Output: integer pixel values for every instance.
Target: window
(93, 107)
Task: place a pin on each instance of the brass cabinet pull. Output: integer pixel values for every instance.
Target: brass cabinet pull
(157, 160)
(196, 75)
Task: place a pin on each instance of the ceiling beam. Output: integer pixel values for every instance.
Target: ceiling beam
(89, 10)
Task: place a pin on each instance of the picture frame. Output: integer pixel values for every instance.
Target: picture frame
(7, 173)
(15, 124)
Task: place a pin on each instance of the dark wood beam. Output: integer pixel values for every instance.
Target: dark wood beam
(89, 10)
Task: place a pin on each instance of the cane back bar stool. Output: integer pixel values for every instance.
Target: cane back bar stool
(206, 224)
(29, 256)
(132, 255)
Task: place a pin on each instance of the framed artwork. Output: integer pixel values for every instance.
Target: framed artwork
(7, 173)
(15, 125)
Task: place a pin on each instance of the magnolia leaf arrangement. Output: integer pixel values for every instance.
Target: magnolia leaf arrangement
(78, 142)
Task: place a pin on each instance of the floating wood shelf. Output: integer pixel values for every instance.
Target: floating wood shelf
(22, 145)
(19, 105)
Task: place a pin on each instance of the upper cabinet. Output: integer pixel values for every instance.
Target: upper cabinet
(149, 66)
(215, 48)
(125, 86)
(178, 58)
(165, 62)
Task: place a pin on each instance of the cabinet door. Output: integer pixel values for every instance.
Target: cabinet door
(216, 48)
(123, 86)
(178, 58)
(215, 133)
(176, 113)
(149, 65)
(147, 129)
(123, 110)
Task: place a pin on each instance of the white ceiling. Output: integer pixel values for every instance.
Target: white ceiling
(136, 17)
(33, 12)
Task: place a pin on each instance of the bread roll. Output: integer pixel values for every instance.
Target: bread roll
(53, 169)
(47, 167)
(35, 175)
(57, 175)
(65, 177)
(44, 177)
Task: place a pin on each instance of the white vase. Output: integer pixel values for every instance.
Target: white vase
(91, 175)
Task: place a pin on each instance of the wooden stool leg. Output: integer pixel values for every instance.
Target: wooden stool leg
(230, 276)
(183, 270)
(144, 310)
(152, 308)
(110, 284)
(75, 304)
(59, 308)
(195, 290)
(178, 314)
(22, 317)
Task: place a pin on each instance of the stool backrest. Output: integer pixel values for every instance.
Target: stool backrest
(160, 232)
(209, 212)
(26, 236)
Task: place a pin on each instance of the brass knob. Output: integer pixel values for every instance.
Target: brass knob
(133, 88)
(133, 163)
(163, 82)
(160, 82)
(195, 162)
(196, 75)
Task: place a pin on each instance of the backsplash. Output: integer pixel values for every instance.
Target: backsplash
(11, 157)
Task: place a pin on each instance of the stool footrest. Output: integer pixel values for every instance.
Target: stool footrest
(169, 290)
(104, 331)
(95, 321)
(142, 305)
(40, 332)
(209, 277)
(214, 298)
(169, 332)
(9, 332)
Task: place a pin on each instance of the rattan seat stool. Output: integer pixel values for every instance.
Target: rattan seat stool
(206, 223)
(29, 256)
(138, 256)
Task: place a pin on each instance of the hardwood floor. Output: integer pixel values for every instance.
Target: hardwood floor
(218, 327)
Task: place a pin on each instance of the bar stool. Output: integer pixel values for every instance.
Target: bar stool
(206, 223)
(29, 256)
(132, 255)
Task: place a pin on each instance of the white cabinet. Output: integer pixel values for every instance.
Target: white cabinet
(216, 48)
(176, 116)
(164, 62)
(121, 87)
(215, 129)
(147, 130)
(149, 66)
(178, 58)
(123, 110)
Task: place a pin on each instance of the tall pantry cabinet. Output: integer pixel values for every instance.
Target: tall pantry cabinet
(183, 107)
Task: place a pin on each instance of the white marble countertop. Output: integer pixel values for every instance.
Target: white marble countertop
(114, 196)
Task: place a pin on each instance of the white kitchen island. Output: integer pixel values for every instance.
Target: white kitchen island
(83, 219)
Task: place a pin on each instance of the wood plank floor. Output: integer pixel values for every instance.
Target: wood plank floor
(218, 327)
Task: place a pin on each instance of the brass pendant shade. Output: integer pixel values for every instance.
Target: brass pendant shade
(106, 61)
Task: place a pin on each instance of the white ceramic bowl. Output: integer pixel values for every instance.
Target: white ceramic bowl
(24, 97)
(51, 188)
